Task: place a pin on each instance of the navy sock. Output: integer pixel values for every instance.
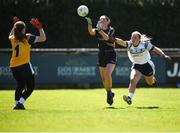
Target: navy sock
(109, 92)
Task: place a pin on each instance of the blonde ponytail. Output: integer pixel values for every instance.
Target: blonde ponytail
(143, 37)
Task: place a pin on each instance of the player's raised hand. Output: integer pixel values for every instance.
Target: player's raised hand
(88, 19)
(98, 26)
(15, 19)
(36, 23)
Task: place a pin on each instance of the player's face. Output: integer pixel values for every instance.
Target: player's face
(135, 39)
(104, 22)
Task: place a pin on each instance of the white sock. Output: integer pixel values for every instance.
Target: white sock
(21, 100)
(130, 94)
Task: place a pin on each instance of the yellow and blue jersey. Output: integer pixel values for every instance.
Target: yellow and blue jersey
(21, 51)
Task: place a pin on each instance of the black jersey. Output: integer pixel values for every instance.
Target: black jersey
(106, 45)
(107, 54)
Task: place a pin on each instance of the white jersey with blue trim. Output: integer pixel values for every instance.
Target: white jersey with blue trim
(139, 54)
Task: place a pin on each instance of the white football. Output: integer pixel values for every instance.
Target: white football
(82, 10)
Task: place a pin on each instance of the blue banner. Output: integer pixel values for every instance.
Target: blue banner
(71, 68)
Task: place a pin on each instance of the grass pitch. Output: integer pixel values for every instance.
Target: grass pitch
(86, 110)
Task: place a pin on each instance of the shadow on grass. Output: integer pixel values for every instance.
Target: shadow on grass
(111, 107)
(149, 107)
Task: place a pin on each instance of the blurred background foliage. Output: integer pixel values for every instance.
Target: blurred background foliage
(159, 19)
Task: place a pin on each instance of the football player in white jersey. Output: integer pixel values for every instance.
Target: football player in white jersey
(138, 48)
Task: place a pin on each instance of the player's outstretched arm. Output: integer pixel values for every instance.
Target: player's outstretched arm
(161, 53)
(37, 24)
(104, 35)
(91, 30)
(121, 42)
(118, 41)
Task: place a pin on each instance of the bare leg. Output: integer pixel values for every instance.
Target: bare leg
(107, 81)
(102, 73)
(134, 79)
(108, 76)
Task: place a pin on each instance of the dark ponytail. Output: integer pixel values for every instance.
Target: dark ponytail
(19, 26)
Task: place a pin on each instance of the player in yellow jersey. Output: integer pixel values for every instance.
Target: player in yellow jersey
(20, 61)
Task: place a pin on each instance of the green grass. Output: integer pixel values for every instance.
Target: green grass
(86, 110)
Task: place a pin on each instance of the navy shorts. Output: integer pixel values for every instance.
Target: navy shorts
(146, 69)
(23, 71)
(106, 57)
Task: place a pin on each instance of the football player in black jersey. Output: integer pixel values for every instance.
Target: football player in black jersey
(106, 55)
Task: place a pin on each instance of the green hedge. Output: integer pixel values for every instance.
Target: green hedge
(159, 19)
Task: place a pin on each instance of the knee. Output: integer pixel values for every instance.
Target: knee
(30, 88)
(20, 87)
(133, 82)
(103, 77)
(107, 75)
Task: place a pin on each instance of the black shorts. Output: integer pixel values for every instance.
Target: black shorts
(23, 71)
(146, 69)
(106, 57)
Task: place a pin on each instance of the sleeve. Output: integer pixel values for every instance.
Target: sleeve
(32, 39)
(111, 32)
(111, 35)
(128, 44)
(149, 46)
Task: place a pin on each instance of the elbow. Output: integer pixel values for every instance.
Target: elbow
(111, 39)
(43, 39)
(107, 38)
(92, 33)
(9, 37)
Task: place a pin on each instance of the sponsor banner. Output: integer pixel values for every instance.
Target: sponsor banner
(57, 69)
(173, 70)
